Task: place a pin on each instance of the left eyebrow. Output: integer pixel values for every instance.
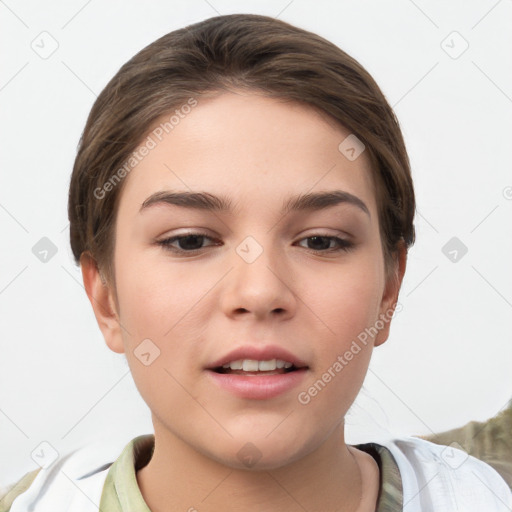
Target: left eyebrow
(210, 202)
(322, 200)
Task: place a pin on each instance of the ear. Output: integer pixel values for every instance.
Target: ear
(101, 296)
(390, 295)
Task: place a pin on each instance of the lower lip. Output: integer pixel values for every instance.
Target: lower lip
(257, 387)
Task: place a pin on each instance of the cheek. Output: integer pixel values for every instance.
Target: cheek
(346, 300)
(166, 304)
(346, 305)
(154, 295)
(163, 316)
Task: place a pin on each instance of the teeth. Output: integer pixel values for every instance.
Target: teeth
(267, 365)
(234, 365)
(252, 365)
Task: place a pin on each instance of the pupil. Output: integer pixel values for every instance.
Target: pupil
(198, 239)
(325, 245)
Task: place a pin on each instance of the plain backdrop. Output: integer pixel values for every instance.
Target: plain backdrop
(443, 66)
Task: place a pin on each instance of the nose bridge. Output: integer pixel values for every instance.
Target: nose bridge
(259, 283)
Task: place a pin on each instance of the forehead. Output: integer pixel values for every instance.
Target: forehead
(250, 147)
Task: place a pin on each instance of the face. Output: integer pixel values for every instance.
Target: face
(304, 284)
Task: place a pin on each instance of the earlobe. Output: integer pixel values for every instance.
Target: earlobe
(102, 301)
(391, 292)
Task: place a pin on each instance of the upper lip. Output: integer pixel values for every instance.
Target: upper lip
(265, 353)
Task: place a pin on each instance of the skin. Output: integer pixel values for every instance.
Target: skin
(257, 151)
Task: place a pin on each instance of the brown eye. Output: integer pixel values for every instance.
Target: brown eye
(188, 243)
(191, 242)
(319, 242)
(326, 243)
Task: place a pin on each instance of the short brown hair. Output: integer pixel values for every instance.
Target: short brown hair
(234, 51)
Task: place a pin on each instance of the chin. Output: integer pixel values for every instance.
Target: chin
(254, 461)
(262, 453)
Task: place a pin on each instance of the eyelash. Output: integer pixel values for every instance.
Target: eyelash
(344, 245)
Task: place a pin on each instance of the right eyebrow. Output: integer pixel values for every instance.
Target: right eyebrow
(197, 200)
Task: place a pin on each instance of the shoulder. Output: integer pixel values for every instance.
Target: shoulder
(12, 491)
(445, 478)
(73, 482)
(490, 441)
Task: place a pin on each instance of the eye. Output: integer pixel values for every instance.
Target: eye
(190, 243)
(187, 243)
(323, 243)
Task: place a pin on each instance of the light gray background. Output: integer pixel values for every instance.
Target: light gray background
(449, 356)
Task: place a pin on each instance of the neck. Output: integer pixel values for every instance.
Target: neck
(180, 478)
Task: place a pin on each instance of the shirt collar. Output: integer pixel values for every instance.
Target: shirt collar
(390, 498)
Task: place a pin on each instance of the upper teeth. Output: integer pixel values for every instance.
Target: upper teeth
(252, 365)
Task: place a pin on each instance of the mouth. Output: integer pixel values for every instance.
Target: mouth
(253, 372)
(253, 367)
(253, 379)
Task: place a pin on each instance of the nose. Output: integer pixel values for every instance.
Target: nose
(260, 288)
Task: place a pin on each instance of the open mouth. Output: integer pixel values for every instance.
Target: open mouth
(277, 371)
(257, 367)
(258, 379)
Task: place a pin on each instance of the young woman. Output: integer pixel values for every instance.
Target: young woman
(241, 206)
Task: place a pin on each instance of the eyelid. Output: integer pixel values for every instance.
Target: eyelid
(330, 232)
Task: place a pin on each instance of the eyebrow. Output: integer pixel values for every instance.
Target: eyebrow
(302, 202)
